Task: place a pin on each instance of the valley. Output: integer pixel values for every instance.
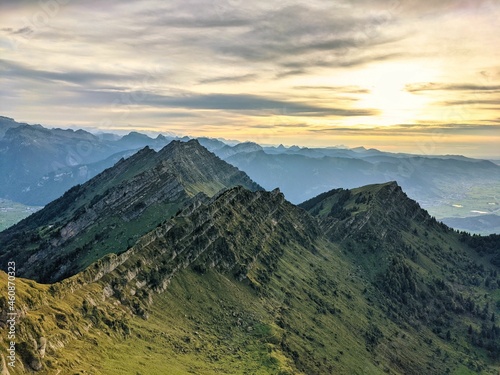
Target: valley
(12, 212)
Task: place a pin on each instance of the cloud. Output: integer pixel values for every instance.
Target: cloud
(26, 30)
(239, 78)
(17, 70)
(289, 73)
(494, 102)
(339, 89)
(412, 129)
(245, 102)
(431, 86)
(313, 60)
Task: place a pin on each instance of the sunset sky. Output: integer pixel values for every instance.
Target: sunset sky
(406, 75)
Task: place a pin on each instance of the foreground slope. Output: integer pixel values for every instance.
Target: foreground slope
(247, 283)
(109, 213)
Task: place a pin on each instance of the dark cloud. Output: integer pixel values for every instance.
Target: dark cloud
(344, 59)
(289, 73)
(430, 86)
(341, 89)
(241, 102)
(240, 78)
(200, 22)
(253, 104)
(16, 70)
(421, 8)
(276, 33)
(494, 102)
(23, 30)
(450, 129)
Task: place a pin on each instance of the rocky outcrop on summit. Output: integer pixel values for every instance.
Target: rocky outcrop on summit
(373, 208)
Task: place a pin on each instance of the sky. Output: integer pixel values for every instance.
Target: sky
(415, 76)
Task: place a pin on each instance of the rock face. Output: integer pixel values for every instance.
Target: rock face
(109, 213)
(215, 234)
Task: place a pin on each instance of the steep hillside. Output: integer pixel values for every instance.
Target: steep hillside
(38, 164)
(111, 211)
(7, 123)
(301, 177)
(247, 283)
(54, 184)
(429, 275)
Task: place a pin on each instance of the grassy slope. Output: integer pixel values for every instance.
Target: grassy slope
(213, 324)
(201, 325)
(371, 224)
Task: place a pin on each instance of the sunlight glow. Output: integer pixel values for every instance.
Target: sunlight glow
(388, 94)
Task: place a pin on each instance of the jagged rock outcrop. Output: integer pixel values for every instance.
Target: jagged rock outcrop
(365, 211)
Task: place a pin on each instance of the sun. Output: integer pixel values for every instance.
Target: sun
(387, 93)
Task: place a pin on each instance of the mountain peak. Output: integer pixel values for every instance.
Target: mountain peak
(373, 209)
(118, 206)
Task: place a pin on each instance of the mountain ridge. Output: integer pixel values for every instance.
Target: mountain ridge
(247, 282)
(110, 209)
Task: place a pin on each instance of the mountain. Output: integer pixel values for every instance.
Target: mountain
(352, 282)
(109, 213)
(7, 123)
(38, 164)
(211, 144)
(54, 184)
(227, 151)
(301, 177)
(135, 140)
(27, 153)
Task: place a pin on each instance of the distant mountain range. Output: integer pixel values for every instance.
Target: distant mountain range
(38, 165)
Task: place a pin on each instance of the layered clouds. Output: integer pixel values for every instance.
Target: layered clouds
(378, 73)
